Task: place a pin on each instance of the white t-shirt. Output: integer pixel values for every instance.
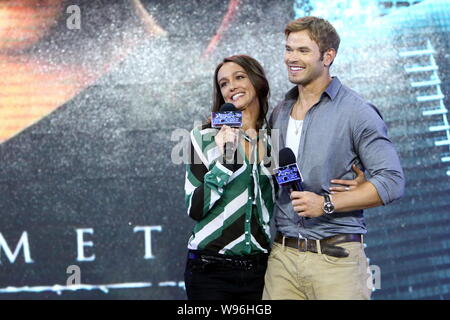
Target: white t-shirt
(293, 135)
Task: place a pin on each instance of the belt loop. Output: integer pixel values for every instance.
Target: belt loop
(319, 248)
(362, 240)
(282, 242)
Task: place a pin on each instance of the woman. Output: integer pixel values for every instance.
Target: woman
(231, 202)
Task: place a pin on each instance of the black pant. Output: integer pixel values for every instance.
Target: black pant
(218, 279)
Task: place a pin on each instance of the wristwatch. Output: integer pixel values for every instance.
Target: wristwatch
(328, 206)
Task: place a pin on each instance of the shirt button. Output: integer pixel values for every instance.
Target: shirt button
(247, 220)
(247, 243)
(246, 232)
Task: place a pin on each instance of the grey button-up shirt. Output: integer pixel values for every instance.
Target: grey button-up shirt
(341, 129)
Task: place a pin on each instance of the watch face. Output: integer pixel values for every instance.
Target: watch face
(328, 207)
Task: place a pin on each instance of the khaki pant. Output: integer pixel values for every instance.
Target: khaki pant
(295, 275)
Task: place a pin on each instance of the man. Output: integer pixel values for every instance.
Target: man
(318, 251)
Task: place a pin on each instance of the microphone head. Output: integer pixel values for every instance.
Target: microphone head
(286, 157)
(228, 107)
(227, 115)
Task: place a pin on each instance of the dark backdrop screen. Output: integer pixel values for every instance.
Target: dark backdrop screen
(95, 97)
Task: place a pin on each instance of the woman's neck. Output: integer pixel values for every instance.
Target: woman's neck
(249, 119)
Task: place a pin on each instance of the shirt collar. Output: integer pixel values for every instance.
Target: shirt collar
(331, 91)
(333, 88)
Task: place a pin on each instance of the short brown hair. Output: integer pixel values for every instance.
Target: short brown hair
(320, 31)
(257, 77)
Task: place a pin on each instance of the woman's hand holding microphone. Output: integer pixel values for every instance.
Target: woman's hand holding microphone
(227, 140)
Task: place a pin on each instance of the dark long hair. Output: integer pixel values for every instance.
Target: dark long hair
(257, 77)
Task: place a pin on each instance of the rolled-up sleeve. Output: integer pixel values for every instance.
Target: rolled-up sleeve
(378, 155)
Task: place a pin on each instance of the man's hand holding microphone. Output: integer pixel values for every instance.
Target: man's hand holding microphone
(309, 204)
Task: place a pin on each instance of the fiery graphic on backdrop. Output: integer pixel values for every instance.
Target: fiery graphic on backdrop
(32, 85)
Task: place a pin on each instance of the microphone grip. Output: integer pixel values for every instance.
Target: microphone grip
(296, 186)
(229, 151)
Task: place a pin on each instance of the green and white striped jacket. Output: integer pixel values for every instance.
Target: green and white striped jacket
(232, 203)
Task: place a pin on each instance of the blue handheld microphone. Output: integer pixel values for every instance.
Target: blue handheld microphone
(228, 115)
(288, 175)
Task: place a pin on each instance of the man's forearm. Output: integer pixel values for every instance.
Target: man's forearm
(309, 204)
(362, 197)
